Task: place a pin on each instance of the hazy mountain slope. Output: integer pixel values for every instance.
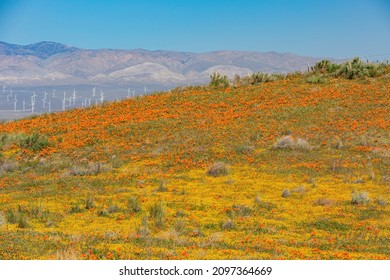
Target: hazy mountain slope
(51, 63)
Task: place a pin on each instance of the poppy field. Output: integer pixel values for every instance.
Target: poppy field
(285, 169)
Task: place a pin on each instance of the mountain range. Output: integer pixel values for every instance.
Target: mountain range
(51, 63)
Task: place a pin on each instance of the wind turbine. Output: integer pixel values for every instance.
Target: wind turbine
(15, 101)
(44, 100)
(24, 105)
(54, 93)
(74, 96)
(94, 92)
(49, 106)
(101, 96)
(33, 102)
(63, 102)
(33, 97)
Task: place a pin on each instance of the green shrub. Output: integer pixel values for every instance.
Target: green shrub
(353, 69)
(133, 205)
(22, 222)
(162, 186)
(180, 226)
(219, 81)
(11, 216)
(157, 213)
(257, 78)
(143, 230)
(75, 209)
(34, 142)
(315, 79)
(90, 203)
(239, 210)
(260, 204)
(17, 217)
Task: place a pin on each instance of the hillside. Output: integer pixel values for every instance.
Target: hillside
(296, 168)
(55, 64)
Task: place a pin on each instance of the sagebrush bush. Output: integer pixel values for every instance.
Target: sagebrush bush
(218, 169)
(360, 198)
(292, 143)
(286, 193)
(91, 169)
(381, 201)
(8, 165)
(228, 225)
(323, 201)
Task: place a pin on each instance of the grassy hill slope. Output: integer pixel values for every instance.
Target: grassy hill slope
(291, 169)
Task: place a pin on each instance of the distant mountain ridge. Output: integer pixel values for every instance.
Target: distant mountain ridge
(51, 63)
(42, 49)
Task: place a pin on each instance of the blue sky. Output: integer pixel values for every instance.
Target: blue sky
(343, 28)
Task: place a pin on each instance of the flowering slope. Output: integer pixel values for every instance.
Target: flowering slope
(132, 179)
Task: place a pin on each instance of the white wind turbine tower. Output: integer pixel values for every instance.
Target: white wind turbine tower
(101, 96)
(33, 102)
(144, 90)
(89, 101)
(49, 103)
(33, 97)
(54, 93)
(94, 92)
(63, 102)
(128, 93)
(44, 100)
(15, 102)
(24, 105)
(74, 97)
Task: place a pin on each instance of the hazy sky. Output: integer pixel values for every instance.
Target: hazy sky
(332, 28)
